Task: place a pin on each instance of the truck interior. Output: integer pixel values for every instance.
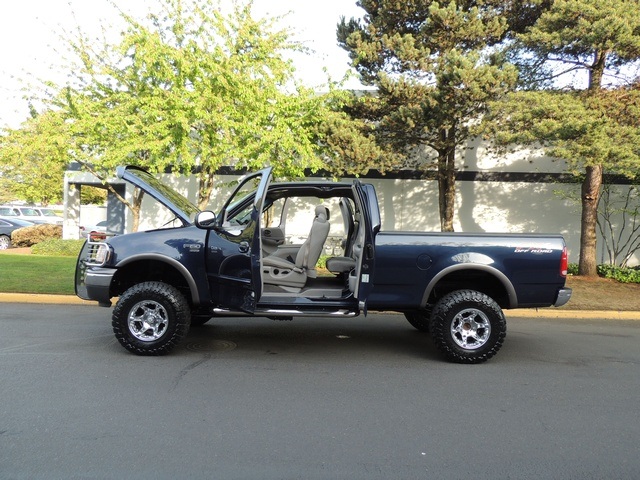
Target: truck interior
(304, 225)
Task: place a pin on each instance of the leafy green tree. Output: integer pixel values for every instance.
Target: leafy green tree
(570, 37)
(192, 88)
(435, 69)
(33, 159)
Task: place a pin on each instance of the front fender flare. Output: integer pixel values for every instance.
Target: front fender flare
(193, 287)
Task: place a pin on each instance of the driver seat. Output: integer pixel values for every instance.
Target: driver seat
(279, 271)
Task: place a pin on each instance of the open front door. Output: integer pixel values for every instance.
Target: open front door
(234, 250)
(367, 205)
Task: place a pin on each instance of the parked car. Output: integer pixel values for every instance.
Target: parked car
(98, 231)
(50, 216)
(32, 214)
(455, 285)
(7, 226)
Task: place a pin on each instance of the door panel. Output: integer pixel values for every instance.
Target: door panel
(234, 248)
(369, 225)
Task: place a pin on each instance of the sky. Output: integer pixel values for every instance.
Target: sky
(31, 49)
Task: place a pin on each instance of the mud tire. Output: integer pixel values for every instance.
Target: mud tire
(468, 326)
(151, 318)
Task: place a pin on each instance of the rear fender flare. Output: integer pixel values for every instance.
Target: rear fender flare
(504, 280)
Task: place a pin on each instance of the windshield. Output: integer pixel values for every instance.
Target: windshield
(169, 193)
(29, 212)
(8, 212)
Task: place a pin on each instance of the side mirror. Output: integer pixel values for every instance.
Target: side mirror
(206, 220)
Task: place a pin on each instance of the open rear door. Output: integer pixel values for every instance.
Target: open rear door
(367, 205)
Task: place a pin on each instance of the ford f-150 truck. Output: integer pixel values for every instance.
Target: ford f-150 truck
(238, 263)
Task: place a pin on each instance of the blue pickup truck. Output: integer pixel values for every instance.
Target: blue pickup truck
(238, 262)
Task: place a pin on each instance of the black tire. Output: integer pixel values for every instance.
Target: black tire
(151, 318)
(419, 319)
(468, 326)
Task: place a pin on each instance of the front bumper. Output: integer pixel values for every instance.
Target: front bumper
(564, 294)
(97, 282)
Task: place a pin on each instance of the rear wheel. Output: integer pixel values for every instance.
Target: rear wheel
(468, 326)
(151, 318)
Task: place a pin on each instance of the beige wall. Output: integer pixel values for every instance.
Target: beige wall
(481, 206)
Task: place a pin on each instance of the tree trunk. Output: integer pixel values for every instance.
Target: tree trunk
(205, 188)
(591, 185)
(138, 195)
(590, 196)
(447, 180)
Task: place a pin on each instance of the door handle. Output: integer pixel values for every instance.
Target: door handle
(243, 247)
(368, 251)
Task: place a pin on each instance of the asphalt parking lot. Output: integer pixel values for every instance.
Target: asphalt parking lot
(316, 398)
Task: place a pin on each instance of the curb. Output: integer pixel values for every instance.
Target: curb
(554, 313)
(43, 299)
(549, 313)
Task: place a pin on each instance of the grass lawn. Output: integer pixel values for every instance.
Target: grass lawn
(37, 274)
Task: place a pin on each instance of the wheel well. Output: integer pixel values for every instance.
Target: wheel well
(149, 270)
(477, 280)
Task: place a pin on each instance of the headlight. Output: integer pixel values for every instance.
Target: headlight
(98, 254)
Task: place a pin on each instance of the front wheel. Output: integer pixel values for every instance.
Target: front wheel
(468, 326)
(151, 318)
(5, 242)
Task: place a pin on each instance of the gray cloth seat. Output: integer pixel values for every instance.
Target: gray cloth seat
(341, 264)
(280, 271)
(347, 263)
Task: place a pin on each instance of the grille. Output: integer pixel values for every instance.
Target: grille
(97, 254)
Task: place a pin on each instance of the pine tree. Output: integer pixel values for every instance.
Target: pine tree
(572, 37)
(435, 68)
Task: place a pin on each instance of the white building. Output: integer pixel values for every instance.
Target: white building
(522, 192)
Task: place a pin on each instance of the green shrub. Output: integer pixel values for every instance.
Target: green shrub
(622, 275)
(28, 236)
(322, 261)
(58, 248)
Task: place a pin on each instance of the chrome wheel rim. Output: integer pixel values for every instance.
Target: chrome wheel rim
(148, 320)
(470, 329)
(4, 242)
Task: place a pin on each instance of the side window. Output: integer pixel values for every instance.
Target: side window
(272, 216)
(238, 215)
(299, 215)
(29, 212)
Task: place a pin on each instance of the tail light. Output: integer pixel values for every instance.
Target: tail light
(564, 262)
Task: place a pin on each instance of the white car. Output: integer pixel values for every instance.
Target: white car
(50, 215)
(38, 215)
(98, 231)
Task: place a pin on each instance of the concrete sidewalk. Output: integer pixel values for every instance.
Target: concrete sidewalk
(518, 312)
